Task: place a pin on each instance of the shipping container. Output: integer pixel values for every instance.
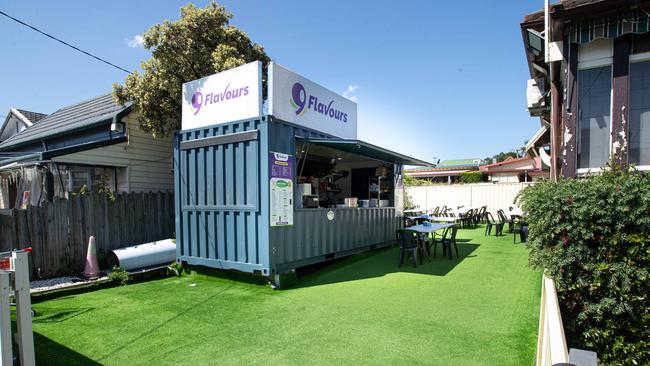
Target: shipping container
(239, 196)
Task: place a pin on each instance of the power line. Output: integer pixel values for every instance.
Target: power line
(64, 42)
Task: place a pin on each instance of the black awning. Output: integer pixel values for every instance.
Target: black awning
(359, 147)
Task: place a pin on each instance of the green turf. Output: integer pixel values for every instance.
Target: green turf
(481, 309)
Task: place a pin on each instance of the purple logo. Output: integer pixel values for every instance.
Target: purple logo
(298, 98)
(302, 104)
(198, 101)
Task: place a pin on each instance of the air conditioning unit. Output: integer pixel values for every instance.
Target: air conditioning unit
(535, 93)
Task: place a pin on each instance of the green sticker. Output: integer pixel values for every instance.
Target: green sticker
(281, 183)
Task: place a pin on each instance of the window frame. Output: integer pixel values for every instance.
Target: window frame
(588, 65)
(635, 58)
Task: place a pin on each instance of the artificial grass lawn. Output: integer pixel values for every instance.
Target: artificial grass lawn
(481, 309)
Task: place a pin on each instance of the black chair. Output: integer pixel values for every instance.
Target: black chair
(436, 211)
(481, 214)
(504, 219)
(409, 243)
(409, 221)
(448, 238)
(443, 210)
(489, 222)
(521, 229)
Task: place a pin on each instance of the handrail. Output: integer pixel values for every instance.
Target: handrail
(551, 343)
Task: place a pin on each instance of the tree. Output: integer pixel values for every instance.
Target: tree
(200, 43)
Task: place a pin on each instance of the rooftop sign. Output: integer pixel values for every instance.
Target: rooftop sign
(228, 96)
(299, 100)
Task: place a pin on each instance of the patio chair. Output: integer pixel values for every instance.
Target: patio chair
(436, 211)
(489, 222)
(409, 244)
(448, 238)
(443, 211)
(477, 217)
(481, 214)
(520, 229)
(409, 221)
(504, 218)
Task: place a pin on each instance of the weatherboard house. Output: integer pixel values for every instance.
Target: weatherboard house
(589, 63)
(92, 144)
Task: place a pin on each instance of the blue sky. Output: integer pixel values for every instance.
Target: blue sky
(431, 79)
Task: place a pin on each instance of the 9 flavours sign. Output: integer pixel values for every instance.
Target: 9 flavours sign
(228, 96)
(298, 100)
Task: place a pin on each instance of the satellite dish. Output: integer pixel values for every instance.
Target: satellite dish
(546, 159)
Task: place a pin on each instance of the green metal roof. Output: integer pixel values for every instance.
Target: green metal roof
(69, 119)
(368, 150)
(459, 163)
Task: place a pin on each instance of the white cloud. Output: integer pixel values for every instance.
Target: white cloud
(348, 93)
(135, 42)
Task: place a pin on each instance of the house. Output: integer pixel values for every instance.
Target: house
(91, 145)
(18, 120)
(448, 171)
(514, 170)
(589, 68)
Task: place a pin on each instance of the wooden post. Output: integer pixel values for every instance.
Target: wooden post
(23, 307)
(6, 351)
(620, 107)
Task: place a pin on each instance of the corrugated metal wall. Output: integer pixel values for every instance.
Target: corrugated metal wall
(493, 195)
(313, 238)
(220, 204)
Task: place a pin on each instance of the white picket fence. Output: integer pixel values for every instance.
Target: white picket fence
(493, 195)
(551, 343)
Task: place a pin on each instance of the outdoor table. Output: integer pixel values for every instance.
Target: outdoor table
(444, 219)
(429, 228)
(426, 229)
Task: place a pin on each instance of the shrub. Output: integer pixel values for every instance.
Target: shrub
(412, 181)
(592, 236)
(117, 274)
(471, 177)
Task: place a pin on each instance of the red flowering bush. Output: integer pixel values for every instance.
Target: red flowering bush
(592, 236)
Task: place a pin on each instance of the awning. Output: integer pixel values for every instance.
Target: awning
(359, 147)
(610, 27)
(541, 137)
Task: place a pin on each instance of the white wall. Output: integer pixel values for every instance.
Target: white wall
(148, 161)
(494, 196)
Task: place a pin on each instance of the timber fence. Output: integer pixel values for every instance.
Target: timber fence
(58, 231)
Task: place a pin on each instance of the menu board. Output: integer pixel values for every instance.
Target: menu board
(281, 188)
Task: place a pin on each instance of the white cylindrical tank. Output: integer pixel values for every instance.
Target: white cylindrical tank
(144, 255)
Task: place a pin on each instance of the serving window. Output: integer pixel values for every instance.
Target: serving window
(328, 177)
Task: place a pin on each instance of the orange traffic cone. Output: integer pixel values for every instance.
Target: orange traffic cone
(91, 270)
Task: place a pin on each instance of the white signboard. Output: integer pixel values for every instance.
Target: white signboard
(281, 188)
(228, 96)
(298, 100)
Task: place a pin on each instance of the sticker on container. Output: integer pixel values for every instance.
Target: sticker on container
(281, 189)
(330, 215)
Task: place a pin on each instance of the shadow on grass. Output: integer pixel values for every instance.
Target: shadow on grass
(380, 262)
(60, 315)
(49, 352)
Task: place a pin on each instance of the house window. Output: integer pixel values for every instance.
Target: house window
(639, 118)
(594, 109)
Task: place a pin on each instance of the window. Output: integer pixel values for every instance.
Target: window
(639, 118)
(594, 104)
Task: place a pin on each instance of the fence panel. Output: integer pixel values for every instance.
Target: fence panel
(58, 231)
(494, 196)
